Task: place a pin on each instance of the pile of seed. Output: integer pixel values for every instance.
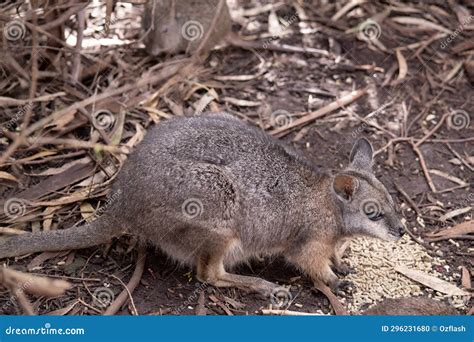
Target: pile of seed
(375, 278)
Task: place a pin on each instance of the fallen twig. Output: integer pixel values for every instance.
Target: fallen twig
(336, 304)
(132, 284)
(289, 313)
(343, 101)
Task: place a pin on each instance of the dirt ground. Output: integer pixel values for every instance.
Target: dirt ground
(290, 83)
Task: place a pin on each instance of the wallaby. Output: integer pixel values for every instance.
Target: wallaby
(212, 192)
(417, 306)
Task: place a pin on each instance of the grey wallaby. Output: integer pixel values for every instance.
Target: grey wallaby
(212, 192)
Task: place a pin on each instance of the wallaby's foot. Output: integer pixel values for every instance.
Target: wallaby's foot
(343, 287)
(343, 269)
(246, 283)
(210, 269)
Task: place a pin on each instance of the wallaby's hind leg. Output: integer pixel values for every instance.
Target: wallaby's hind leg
(210, 269)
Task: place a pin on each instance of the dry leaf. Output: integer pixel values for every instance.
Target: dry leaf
(274, 27)
(40, 286)
(402, 65)
(458, 230)
(466, 278)
(454, 213)
(87, 211)
(6, 175)
(48, 217)
(430, 281)
(421, 23)
(241, 103)
(448, 177)
(56, 170)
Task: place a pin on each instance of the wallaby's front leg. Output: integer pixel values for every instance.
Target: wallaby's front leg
(314, 258)
(210, 269)
(338, 266)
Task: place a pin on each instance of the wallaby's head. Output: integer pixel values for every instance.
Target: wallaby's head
(366, 206)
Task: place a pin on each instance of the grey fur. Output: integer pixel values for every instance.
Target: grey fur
(212, 191)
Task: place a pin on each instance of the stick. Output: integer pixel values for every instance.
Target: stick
(9, 101)
(336, 304)
(132, 284)
(34, 84)
(76, 64)
(343, 101)
(423, 166)
(435, 128)
(289, 313)
(201, 307)
(408, 198)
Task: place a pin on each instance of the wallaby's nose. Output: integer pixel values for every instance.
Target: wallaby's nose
(401, 231)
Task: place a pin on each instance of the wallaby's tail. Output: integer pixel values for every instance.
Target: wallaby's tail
(91, 234)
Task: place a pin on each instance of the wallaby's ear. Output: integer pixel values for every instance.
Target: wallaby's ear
(345, 186)
(362, 155)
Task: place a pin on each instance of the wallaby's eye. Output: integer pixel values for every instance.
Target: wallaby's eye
(374, 216)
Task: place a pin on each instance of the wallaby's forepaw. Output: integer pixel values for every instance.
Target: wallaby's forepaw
(343, 270)
(343, 287)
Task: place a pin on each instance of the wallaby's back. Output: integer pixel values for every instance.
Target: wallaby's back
(241, 183)
(195, 181)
